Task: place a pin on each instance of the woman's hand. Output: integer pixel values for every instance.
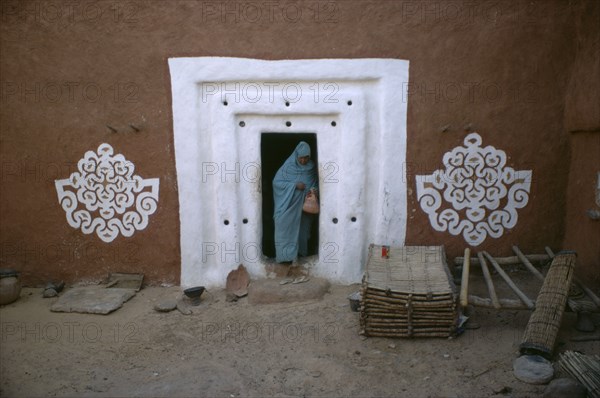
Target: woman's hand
(300, 186)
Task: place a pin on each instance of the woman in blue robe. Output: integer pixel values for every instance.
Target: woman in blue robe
(295, 179)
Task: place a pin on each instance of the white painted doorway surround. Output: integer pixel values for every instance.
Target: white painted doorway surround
(222, 106)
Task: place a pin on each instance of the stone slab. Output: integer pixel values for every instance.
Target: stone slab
(92, 300)
(165, 305)
(565, 388)
(269, 291)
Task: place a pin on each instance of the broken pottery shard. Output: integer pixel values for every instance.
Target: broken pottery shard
(183, 308)
(92, 300)
(237, 281)
(56, 286)
(50, 293)
(59, 286)
(533, 369)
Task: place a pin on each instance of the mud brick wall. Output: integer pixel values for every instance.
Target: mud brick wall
(79, 74)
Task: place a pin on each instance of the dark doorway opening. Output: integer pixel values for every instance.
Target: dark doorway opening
(275, 148)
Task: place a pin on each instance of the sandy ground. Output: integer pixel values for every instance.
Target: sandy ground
(237, 349)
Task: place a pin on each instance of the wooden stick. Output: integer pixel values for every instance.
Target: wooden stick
(464, 285)
(509, 281)
(507, 304)
(586, 338)
(549, 252)
(404, 296)
(527, 264)
(430, 334)
(506, 260)
(589, 292)
(488, 281)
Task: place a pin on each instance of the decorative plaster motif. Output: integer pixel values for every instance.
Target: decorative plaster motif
(475, 183)
(107, 187)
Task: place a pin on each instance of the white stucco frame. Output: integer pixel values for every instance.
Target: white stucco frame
(221, 106)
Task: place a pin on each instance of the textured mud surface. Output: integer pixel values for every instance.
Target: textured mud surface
(237, 349)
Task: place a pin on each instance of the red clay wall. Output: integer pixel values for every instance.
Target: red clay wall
(582, 124)
(500, 67)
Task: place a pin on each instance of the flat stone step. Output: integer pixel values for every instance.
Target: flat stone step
(269, 291)
(92, 300)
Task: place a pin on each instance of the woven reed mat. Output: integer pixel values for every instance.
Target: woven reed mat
(544, 323)
(408, 293)
(417, 270)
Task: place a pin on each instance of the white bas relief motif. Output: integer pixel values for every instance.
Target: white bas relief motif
(476, 194)
(115, 200)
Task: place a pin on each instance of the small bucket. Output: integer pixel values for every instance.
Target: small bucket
(354, 301)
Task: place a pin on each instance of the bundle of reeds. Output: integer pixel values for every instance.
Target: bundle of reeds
(544, 323)
(583, 368)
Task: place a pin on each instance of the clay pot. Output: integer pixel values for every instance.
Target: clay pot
(10, 286)
(194, 293)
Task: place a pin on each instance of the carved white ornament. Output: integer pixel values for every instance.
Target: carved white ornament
(116, 201)
(480, 194)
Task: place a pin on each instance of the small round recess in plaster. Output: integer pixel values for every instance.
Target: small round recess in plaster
(288, 123)
(349, 103)
(287, 104)
(334, 123)
(334, 220)
(245, 221)
(353, 219)
(226, 222)
(242, 123)
(225, 103)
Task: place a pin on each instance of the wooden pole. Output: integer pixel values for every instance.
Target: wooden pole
(464, 285)
(488, 281)
(589, 292)
(509, 281)
(507, 304)
(549, 252)
(527, 264)
(537, 258)
(586, 338)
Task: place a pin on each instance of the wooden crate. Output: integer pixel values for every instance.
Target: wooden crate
(408, 292)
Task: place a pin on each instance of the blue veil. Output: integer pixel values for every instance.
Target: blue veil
(292, 226)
